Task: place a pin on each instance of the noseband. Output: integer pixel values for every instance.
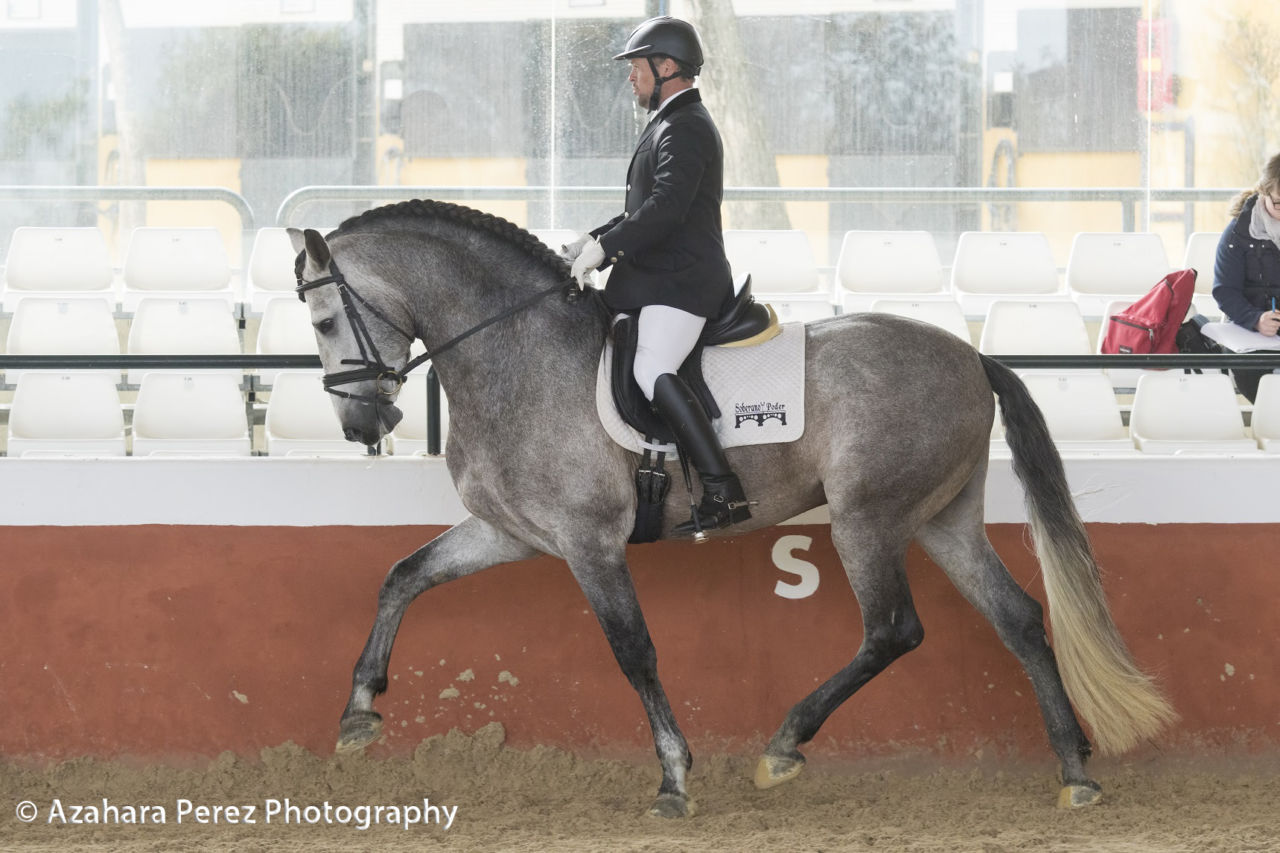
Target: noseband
(387, 380)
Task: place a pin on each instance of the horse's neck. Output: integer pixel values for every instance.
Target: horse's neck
(534, 349)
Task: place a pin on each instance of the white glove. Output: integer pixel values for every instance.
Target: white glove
(570, 251)
(590, 257)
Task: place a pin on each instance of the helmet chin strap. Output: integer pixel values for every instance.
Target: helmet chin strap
(656, 97)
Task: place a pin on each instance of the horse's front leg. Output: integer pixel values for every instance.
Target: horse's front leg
(465, 549)
(606, 582)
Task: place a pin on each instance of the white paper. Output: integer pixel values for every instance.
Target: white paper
(1238, 338)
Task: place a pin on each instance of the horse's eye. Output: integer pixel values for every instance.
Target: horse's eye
(325, 326)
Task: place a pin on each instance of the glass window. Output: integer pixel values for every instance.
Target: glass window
(910, 97)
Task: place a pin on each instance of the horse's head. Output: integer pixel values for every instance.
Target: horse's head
(363, 331)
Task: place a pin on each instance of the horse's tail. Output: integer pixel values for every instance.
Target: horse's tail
(1120, 702)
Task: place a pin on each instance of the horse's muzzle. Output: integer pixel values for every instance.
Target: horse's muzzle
(371, 433)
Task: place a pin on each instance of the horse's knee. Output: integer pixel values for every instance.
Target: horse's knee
(885, 643)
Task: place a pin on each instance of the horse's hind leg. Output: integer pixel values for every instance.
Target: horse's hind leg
(876, 566)
(469, 547)
(606, 582)
(956, 539)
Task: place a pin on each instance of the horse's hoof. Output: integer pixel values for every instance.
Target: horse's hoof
(774, 770)
(358, 729)
(1079, 796)
(672, 806)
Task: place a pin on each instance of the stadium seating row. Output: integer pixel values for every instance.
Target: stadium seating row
(1173, 413)
(178, 297)
(205, 414)
(1010, 276)
(192, 263)
(193, 414)
(70, 325)
(198, 326)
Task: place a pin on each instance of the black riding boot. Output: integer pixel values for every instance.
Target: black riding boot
(723, 501)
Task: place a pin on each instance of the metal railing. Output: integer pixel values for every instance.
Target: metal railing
(20, 192)
(1129, 198)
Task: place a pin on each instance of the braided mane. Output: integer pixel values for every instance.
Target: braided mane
(469, 217)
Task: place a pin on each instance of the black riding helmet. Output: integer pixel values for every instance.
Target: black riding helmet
(665, 36)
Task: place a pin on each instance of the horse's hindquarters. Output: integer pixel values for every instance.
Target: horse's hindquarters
(902, 409)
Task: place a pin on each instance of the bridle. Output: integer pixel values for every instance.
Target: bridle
(387, 380)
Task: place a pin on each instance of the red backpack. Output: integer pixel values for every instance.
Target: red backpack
(1151, 324)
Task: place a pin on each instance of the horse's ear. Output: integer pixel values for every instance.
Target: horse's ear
(317, 248)
(312, 243)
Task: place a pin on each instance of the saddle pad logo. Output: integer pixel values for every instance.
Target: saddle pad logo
(759, 413)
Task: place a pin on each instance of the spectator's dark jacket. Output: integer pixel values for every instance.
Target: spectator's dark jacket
(1246, 275)
(667, 247)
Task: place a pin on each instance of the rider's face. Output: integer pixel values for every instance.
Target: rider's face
(641, 80)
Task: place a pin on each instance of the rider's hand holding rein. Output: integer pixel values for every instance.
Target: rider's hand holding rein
(570, 251)
(590, 257)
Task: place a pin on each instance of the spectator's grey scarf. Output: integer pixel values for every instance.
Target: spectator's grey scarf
(1265, 223)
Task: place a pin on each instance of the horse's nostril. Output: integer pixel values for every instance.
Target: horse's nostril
(352, 434)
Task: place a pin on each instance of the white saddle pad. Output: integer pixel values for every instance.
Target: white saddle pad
(759, 389)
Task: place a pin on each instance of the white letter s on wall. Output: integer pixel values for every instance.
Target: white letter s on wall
(806, 572)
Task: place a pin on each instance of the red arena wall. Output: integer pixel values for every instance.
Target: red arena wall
(180, 641)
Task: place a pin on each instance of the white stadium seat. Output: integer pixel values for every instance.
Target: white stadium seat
(1175, 412)
(65, 326)
(778, 261)
(1266, 413)
(176, 261)
(783, 271)
(170, 326)
(66, 414)
(1104, 266)
(1201, 255)
(887, 263)
(285, 329)
(992, 265)
(943, 314)
(194, 414)
(270, 268)
(1015, 327)
(58, 262)
(1116, 263)
(1081, 411)
(301, 420)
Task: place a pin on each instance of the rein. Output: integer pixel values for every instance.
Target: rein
(387, 380)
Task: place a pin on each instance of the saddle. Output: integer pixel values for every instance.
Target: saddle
(743, 322)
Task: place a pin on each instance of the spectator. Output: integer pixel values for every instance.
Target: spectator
(1247, 270)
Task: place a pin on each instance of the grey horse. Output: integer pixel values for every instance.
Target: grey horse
(898, 420)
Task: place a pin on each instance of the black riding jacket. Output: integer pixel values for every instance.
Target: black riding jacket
(667, 246)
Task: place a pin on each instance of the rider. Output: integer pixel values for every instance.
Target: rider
(667, 250)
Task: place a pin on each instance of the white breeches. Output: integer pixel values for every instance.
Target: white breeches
(666, 336)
